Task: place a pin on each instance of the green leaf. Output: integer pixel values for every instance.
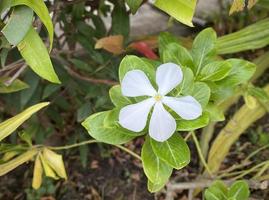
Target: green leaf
(83, 112)
(129, 63)
(181, 10)
(215, 71)
(190, 125)
(36, 55)
(203, 48)
(215, 113)
(154, 187)
(10, 125)
(174, 151)
(41, 10)
(112, 134)
(18, 24)
(177, 54)
(49, 90)
(157, 171)
(120, 20)
(186, 86)
(201, 92)
(240, 73)
(239, 190)
(134, 5)
(15, 86)
(117, 98)
(217, 191)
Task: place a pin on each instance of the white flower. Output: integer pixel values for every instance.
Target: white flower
(162, 125)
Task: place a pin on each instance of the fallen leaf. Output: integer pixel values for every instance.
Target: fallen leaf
(112, 44)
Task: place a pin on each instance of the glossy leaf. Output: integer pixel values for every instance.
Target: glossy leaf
(157, 171)
(117, 98)
(129, 63)
(190, 125)
(239, 191)
(154, 187)
(18, 24)
(174, 151)
(215, 71)
(201, 92)
(112, 134)
(240, 73)
(203, 48)
(217, 191)
(36, 56)
(10, 125)
(181, 10)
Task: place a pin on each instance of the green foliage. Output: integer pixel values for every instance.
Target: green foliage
(239, 190)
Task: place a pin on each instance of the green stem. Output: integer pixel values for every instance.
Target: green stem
(200, 153)
(93, 141)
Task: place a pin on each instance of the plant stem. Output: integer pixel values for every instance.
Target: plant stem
(94, 141)
(200, 153)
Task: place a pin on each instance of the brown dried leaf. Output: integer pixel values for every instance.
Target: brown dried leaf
(112, 44)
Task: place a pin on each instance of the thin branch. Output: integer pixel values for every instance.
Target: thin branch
(15, 76)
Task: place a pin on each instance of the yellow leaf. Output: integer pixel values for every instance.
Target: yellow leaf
(250, 101)
(48, 170)
(56, 162)
(10, 125)
(12, 164)
(251, 3)
(238, 5)
(113, 44)
(37, 175)
(9, 155)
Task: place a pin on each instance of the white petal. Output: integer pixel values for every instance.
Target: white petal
(135, 83)
(162, 125)
(186, 107)
(134, 117)
(168, 76)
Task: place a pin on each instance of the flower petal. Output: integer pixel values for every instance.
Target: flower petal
(162, 125)
(186, 107)
(168, 76)
(135, 83)
(134, 117)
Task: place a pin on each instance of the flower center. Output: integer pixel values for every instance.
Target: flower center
(158, 97)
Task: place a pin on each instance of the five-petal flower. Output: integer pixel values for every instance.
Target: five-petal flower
(162, 125)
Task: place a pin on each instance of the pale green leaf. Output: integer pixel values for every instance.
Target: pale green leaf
(215, 71)
(15, 86)
(181, 10)
(190, 125)
(174, 151)
(117, 98)
(157, 171)
(134, 5)
(10, 125)
(239, 190)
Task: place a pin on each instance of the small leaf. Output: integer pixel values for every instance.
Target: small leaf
(113, 44)
(239, 191)
(215, 71)
(15, 86)
(201, 92)
(129, 63)
(37, 175)
(190, 125)
(120, 20)
(134, 5)
(18, 24)
(217, 191)
(215, 113)
(55, 161)
(164, 39)
(112, 134)
(157, 171)
(117, 98)
(241, 72)
(10, 125)
(203, 48)
(258, 93)
(187, 84)
(177, 54)
(12, 164)
(174, 151)
(154, 187)
(181, 10)
(36, 55)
